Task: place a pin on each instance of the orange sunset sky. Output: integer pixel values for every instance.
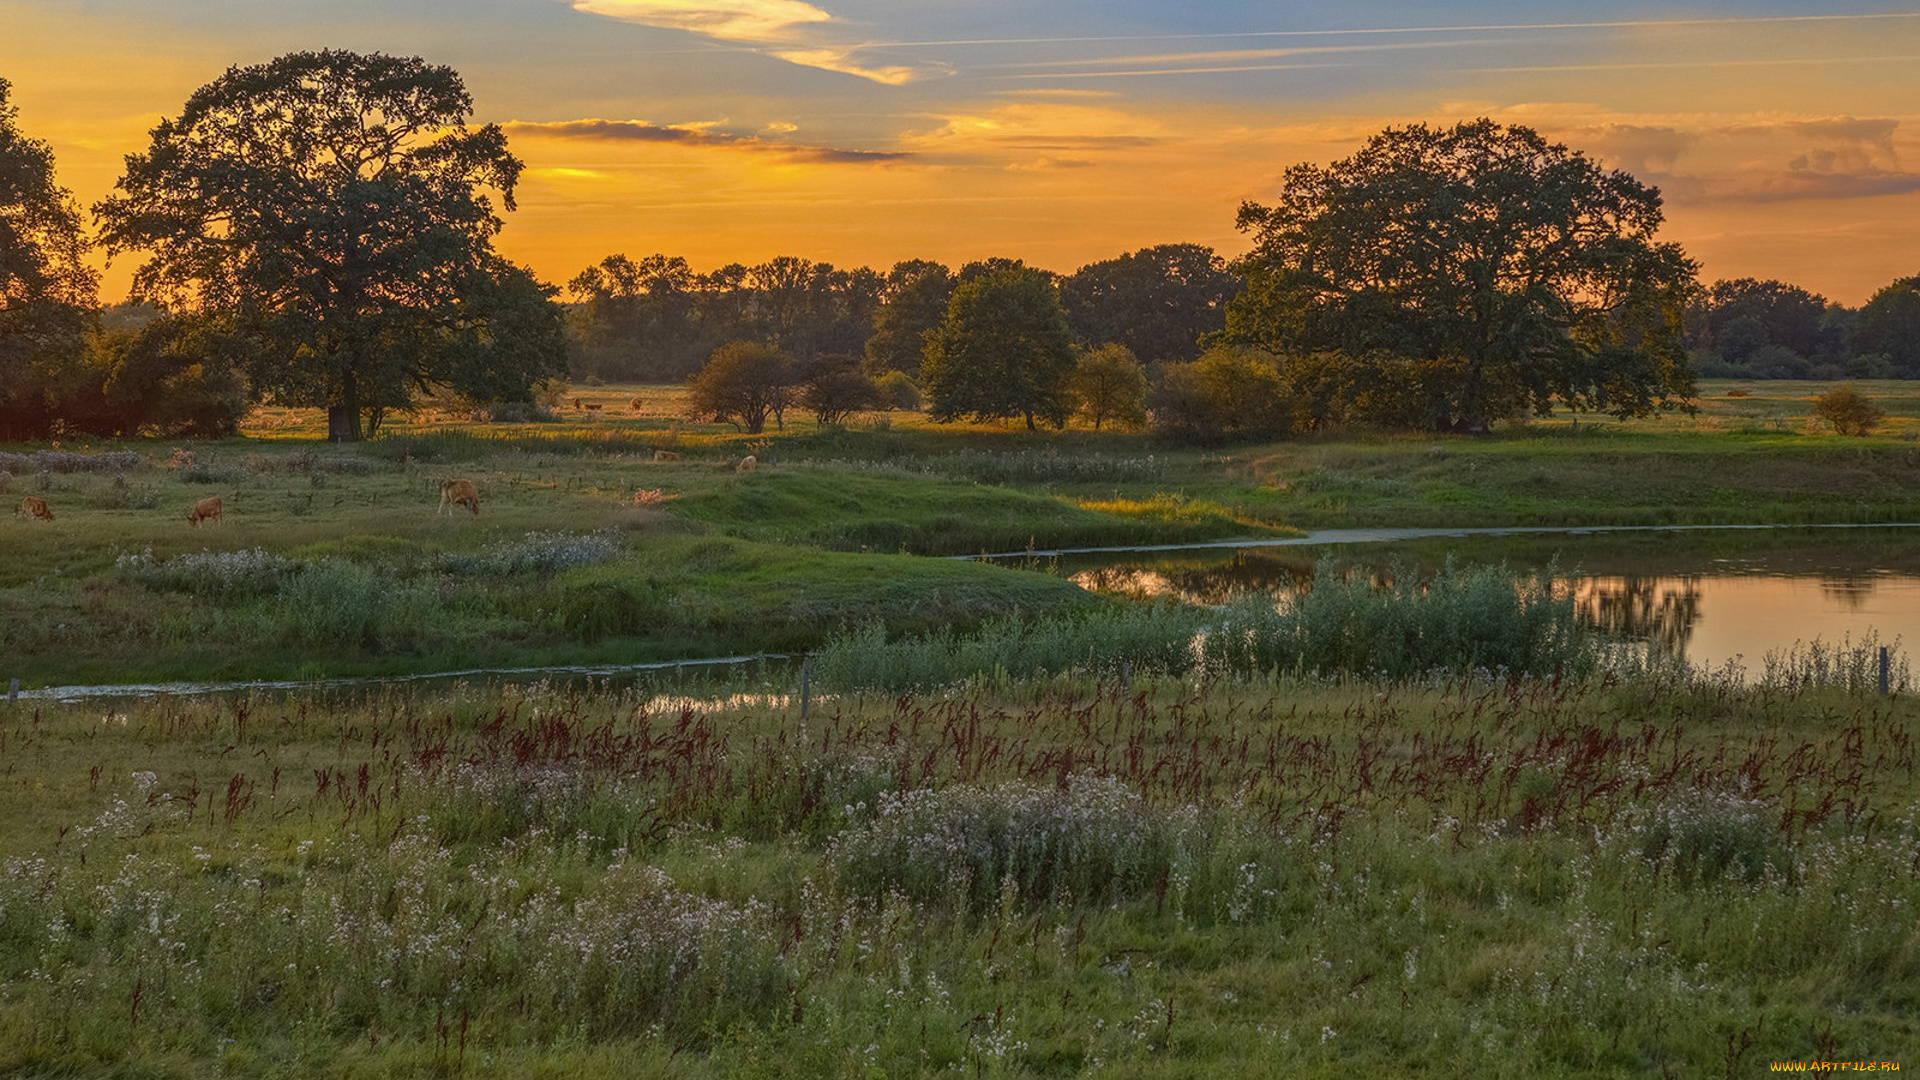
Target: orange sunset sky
(1785, 136)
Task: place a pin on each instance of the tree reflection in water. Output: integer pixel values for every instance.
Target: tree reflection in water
(1204, 580)
(1850, 591)
(1662, 610)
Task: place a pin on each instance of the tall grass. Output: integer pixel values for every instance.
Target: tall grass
(1480, 619)
(1153, 639)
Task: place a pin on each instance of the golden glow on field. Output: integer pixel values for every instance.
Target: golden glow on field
(865, 132)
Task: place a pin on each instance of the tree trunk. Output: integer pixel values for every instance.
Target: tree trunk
(343, 417)
(1030, 426)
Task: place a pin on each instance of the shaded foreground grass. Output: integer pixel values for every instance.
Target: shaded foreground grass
(1548, 877)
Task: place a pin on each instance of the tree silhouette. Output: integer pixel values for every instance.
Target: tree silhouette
(1502, 272)
(46, 290)
(335, 206)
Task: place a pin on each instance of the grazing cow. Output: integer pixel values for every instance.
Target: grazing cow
(594, 406)
(34, 507)
(665, 455)
(576, 403)
(459, 493)
(747, 464)
(634, 404)
(207, 509)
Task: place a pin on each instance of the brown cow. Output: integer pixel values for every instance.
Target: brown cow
(207, 509)
(34, 506)
(665, 455)
(459, 493)
(748, 464)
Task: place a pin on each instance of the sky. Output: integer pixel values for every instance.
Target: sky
(1785, 136)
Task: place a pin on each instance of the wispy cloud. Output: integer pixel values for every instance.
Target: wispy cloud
(698, 136)
(789, 30)
(752, 21)
(1246, 35)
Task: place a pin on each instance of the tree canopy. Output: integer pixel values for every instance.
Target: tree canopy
(1158, 301)
(46, 289)
(337, 207)
(1501, 272)
(1889, 325)
(1004, 350)
(914, 304)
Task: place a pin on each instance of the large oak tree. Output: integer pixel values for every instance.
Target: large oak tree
(337, 207)
(1496, 271)
(46, 288)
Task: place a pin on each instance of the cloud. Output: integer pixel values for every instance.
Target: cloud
(727, 20)
(842, 61)
(698, 136)
(1049, 164)
(1753, 160)
(1640, 149)
(788, 30)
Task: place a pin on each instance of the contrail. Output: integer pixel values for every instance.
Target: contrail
(1482, 28)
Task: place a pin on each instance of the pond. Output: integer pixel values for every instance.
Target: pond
(1709, 595)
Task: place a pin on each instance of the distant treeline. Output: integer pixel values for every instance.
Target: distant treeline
(657, 320)
(1750, 329)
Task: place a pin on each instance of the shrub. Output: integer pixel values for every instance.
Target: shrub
(595, 605)
(60, 461)
(1703, 837)
(224, 575)
(897, 389)
(1848, 410)
(538, 553)
(1230, 391)
(1094, 841)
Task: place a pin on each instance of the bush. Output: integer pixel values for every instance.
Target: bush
(59, 461)
(225, 575)
(898, 391)
(538, 553)
(1095, 842)
(1848, 410)
(520, 412)
(595, 605)
(1229, 392)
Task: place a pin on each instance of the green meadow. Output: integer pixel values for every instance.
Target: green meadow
(336, 560)
(1256, 876)
(1439, 827)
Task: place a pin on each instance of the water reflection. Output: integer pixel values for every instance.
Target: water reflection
(1662, 610)
(1202, 581)
(1710, 599)
(1850, 591)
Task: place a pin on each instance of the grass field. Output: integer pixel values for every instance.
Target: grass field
(978, 852)
(589, 550)
(1266, 878)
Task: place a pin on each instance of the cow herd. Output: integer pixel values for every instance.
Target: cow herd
(453, 494)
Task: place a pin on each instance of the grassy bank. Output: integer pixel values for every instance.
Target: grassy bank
(702, 559)
(1236, 878)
